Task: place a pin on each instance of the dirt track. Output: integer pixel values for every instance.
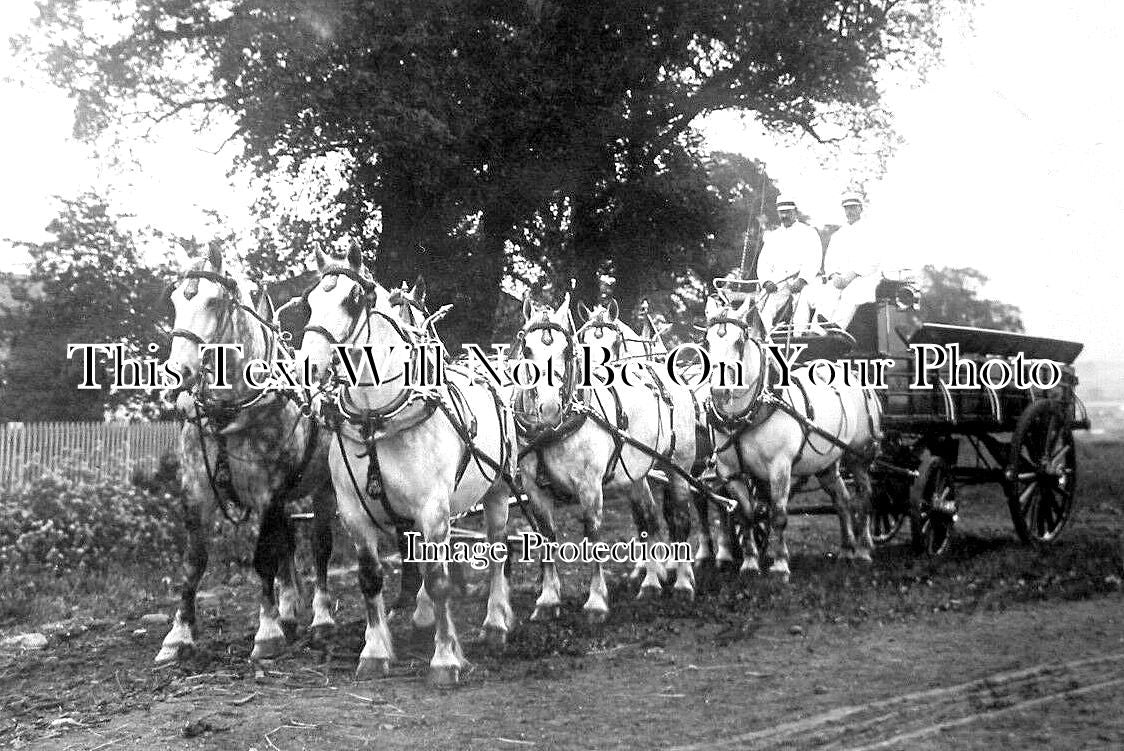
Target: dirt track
(999, 646)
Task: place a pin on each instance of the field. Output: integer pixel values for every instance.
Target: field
(996, 646)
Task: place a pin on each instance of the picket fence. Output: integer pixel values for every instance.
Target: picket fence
(103, 450)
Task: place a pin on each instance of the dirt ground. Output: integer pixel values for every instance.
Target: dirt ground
(996, 646)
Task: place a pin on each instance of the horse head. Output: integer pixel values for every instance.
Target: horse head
(340, 302)
(603, 327)
(546, 343)
(206, 302)
(730, 332)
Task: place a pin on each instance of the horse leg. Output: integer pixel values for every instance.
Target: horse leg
(448, 660)
(704, 552)
(677, 514)
(780, 484)
(540, 504)
(833, 484)
(374, 660)
(861, 473)
(288, 580)
(596, 606)
(644, 515)
(199, 507)
(644, 519)
(500, 618)
(268, 556)
(751, 556)
(323, 507)
(413, 590)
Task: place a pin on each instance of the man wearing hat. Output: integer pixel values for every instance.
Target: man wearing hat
(852, 267)
(790, 259)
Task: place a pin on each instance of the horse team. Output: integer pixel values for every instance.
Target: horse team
(394, 458)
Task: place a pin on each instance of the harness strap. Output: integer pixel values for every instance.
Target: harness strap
(219, 477)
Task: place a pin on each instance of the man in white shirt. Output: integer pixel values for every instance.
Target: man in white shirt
(790, 259)
(852, 267)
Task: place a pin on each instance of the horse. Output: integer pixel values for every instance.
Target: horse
(254, 449)
(408, 457)
(625, 343)
(586, 445)
(771, 434)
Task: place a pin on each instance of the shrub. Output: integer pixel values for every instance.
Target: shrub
(66, 525)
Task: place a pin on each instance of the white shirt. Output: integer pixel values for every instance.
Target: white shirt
(853, 248)
(790, 251)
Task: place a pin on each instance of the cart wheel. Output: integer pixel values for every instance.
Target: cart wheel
(887, 514)
(1041, 476)
(932, 519)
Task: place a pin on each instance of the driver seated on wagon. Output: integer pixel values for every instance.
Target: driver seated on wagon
(852, 269)
(789, 260)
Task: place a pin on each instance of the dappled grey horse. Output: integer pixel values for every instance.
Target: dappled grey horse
(243, 449)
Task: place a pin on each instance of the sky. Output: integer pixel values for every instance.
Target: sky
(1010, 164)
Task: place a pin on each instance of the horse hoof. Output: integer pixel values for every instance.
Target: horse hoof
(289, 628)
(496, 638)
(444, 675)
(780, 573)
(371, 668)
(704, 564)
(863, 558)
(749, 569)
(723, 565)
(545, 613)
(171, 653)
(264, 650)
(683, 594)
(595, 617)
(649, 592)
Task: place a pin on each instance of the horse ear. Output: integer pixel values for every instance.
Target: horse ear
(745, 307)
(614, 309)
(419, 290)
(528, 309)
(265, 305)
(356, 296)
(321, 260)
(642, 309)
(583, 312)
(214, 256)
(713, 307)
(756, 325)
(355, 255)
(562, 312)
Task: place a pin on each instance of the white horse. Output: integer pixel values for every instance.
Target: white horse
(573, 442)
(408, 456)
(772, 434)
(261, 440)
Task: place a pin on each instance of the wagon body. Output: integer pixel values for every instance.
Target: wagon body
(941, 435)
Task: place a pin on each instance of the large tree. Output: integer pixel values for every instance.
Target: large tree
(952, 295)
(93, 285)
(461, 124)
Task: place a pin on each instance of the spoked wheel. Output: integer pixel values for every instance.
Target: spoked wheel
(887, 513)
(1041, 475)
(932, 519)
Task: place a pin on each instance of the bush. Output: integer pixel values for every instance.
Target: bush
(66, 525)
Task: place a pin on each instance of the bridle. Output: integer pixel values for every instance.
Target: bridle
(362, 322)
(569, 377)
(598, 328)
(229, 286)
(760, 390)
(370, 290)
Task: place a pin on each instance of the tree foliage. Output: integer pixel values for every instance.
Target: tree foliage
(93, 285)
(951, 295)
(471, 131)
